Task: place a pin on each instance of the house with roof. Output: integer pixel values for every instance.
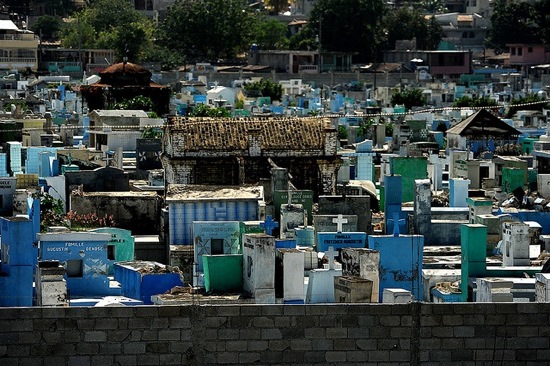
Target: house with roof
(18, 47)
(236, 152)
(464, 31)
(123, 81)
(523, 56)
(481, 131)
(440, 63)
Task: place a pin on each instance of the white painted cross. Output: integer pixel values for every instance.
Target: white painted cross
(331, 253)
(339, 221)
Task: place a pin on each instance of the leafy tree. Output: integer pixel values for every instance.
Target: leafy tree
(513, 22)
(130, 41)
(435, 34)
(208, 29)
(266, 88)
(105, 15)
(271, 35)
(406, 23)
(47, 27)
(466, 101)
(541, 15)
(304, 40)
(110, 24)
(77, 33)
(409, 98)
(204, 110)
(349, 26)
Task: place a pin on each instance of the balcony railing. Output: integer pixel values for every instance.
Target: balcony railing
(19, 37)
(308, 69)
(18, 60)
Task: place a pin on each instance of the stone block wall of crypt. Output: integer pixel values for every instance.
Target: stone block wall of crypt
(242, 151)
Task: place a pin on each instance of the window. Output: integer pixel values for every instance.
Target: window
(216, 246)
(529, 49)
(512, 51)
(520, 51)
(73, 268)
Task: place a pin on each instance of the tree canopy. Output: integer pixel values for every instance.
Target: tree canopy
(349, 26)
(47, 27)
(409, 98)
(407, 24)
(208, 29)
(112, 24)
(271, 34)
(266, 88)
(475, 102)
(518, 22)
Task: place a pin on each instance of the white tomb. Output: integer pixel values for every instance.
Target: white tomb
(259, 267)
(396, 296)
(515, 244)
(320, 287)
(494, 290)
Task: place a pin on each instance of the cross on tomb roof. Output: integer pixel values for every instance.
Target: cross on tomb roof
(396, 222)
(339, 221)
(331, 253)
(269, 224)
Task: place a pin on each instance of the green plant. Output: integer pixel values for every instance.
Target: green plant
(342, 132)
(152, 133)
(204, 110)
(51, 211)
(365, 128)
(389, 129)
(409, 98)
(138, 102)
(266, 88)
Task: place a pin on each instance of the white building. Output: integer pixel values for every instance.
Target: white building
(18, 48)
(220, 96)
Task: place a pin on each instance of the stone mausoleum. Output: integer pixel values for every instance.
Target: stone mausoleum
(239, 152)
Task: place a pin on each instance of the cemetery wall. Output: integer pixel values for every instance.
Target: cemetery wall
(415, 333)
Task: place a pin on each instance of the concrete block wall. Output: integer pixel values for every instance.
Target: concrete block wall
(401, 334)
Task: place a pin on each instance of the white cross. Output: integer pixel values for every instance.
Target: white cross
(331, 253)
(339, 221)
